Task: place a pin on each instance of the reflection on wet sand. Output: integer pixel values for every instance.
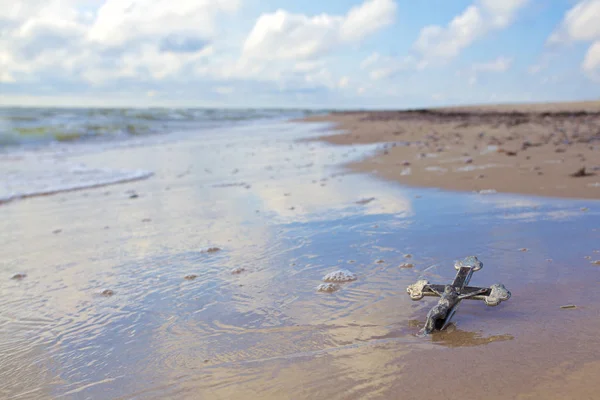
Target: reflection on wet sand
(265, 332)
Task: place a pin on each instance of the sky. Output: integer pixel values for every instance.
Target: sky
(291, 53)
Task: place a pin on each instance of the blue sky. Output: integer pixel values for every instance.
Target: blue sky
(283, 53)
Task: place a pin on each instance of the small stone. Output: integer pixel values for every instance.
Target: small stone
(469, 161)
(581, 172)
(406, 265)
(588, 257)
(146, 220)
(584, 209)
(365, 201)
(379, 261)
(408, 256)
(238, 270)
(19, 277)
(523, 249)
(107, 292)
(342, 275)
(487, 191)
(212, 250)
(327, 287)
(205, 361)
(568, 306)
(597, 262)
(57, 231)
(190, 277)
(134, 196)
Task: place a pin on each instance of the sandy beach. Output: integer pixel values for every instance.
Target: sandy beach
(536, 149)
(200, 280)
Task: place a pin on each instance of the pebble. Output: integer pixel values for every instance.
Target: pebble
(342, 275)
(106, 292)
(57, 231)
(568, 306)
(597, 262)
(408, 256)
(238, 270)
(365, 201)
(327, 287)
(19, 277)
(212, 250)
(487, 191)
(523, 249)
(380, 261)
(190, 277)
(134, 196)
(406, 265)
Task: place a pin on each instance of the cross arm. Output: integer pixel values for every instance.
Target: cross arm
(476, 292)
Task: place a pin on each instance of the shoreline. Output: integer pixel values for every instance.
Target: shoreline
(550, 150)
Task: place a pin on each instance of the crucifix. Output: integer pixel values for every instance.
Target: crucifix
(451, 295)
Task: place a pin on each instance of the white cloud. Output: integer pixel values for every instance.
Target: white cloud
(224, 90)
(137, 39)
(383, 67)
(501, 13)
(344, 82)
(370, 60)
(443, 43)
(582, 23)
(122, 21)
(500, 64)
(592, 58)
(283, 35)
(367, 18)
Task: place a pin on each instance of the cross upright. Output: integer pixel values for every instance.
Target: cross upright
(451, 295)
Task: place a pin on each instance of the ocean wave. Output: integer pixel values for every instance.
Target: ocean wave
(51, 178)
(44, 125)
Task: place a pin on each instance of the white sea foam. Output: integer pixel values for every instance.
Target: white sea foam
(487, 191)
(327, 287)
(342, 275)
(24, 178)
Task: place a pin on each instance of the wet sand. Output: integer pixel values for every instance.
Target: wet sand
(539, 149)
(247, 321)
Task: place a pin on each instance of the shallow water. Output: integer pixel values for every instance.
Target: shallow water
(288, 214)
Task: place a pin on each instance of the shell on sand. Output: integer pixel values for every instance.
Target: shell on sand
(328, 287)
(342, 275)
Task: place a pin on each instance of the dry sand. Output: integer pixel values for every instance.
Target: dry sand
(539, 149)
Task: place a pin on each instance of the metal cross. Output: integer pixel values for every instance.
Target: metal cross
(451, 295)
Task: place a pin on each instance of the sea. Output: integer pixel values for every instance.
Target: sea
(40, 138)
